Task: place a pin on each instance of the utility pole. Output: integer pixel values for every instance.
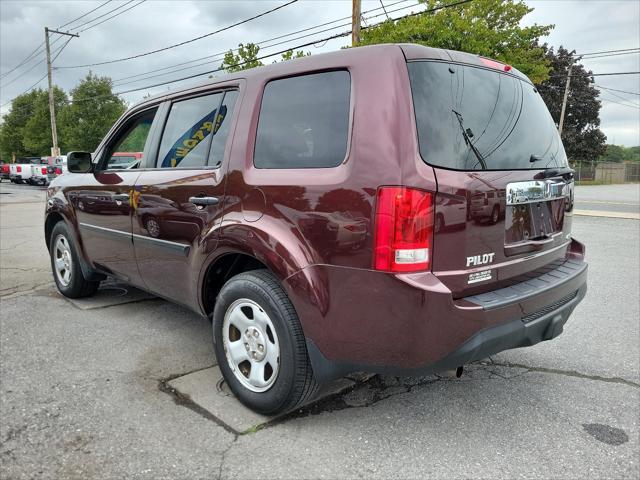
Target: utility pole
(566, 96)
(355, 23)
(55, 150)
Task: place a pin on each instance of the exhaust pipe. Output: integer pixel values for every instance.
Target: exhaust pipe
(459, 371)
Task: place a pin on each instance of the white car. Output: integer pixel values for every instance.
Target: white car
(20, 172)
(39, 175)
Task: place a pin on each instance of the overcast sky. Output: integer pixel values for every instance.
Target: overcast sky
(586, 26)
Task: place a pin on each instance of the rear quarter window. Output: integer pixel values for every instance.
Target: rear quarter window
(304, 121)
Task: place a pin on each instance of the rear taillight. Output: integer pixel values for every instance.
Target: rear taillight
(44, 170)
(404, 229)
(18, 169)
(58, 171)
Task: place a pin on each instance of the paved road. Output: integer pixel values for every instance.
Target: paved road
(609, 198)
(81, 390)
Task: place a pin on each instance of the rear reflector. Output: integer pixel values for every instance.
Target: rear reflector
(404, 229)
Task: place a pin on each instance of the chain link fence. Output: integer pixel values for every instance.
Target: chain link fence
(607, 172)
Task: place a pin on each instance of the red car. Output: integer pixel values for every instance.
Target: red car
(4, 172)
(295, 205)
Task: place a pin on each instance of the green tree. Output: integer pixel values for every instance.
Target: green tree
(247, 57)
(14, 122)
(618, 153)
(93, 111)
(36, 134)
(581, 135)
(490, 28)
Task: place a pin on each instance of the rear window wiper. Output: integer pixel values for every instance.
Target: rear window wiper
(467, 140)
(555, 172)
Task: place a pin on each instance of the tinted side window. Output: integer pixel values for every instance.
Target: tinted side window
(187, 135)
(221, 128)
(304, 121)
(128, 146)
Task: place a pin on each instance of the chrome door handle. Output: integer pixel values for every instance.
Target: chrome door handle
(121, 197)
(204, 201)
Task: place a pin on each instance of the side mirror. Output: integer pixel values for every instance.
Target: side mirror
(79, 162)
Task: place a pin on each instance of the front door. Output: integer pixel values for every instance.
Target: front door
(179, 203)
(102, 203)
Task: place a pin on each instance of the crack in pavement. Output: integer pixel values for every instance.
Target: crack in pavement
(568, 373)
(13, 292)
(224, 454)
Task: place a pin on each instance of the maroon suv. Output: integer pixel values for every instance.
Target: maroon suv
(296, 204)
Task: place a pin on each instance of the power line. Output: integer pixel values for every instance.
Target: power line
(112, 16)
(611, 55)
(118, 82)
(26, 91)
(338, 35)
(586, 74)
(261, 43)
(25, 60)
(606, 51)
(620, 103)
(37, 49)
(77, 27)
(615, 90)
(621, 98)
(32, 66)
(325, 39)
(83, 15)
(182, 43)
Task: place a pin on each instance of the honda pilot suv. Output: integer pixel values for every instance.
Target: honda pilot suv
(294, 204)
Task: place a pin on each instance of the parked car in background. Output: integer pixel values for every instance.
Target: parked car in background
(125, 160)
(39, 174)
(488, 205)
(56, 166)
(4, 172)
(20, 172)
(295, 205)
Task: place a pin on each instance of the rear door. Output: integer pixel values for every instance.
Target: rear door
(496, 154)
(178, 201)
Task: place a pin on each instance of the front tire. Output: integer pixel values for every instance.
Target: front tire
(260, 346)
(65, 265)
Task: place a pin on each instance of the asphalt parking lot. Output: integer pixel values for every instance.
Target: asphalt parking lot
(84, 392)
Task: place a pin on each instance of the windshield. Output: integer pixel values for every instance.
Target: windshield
(473, 118)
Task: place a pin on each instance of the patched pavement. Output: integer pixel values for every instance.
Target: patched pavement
(122, 388)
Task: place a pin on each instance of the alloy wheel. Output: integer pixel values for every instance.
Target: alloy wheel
(251, 345)
(63, 260)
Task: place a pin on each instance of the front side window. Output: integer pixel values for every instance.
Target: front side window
(127, 148)
(304, 121)
(190, 128)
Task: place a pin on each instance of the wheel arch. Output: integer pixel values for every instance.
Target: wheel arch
(249, 246)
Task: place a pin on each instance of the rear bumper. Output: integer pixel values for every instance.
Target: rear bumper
(411, 325)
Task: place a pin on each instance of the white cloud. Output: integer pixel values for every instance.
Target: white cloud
(585, 26)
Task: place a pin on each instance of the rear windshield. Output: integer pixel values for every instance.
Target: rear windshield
(473, 118)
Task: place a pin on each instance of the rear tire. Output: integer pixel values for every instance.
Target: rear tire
(495, 215)
(65, 265)
(255, 326)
